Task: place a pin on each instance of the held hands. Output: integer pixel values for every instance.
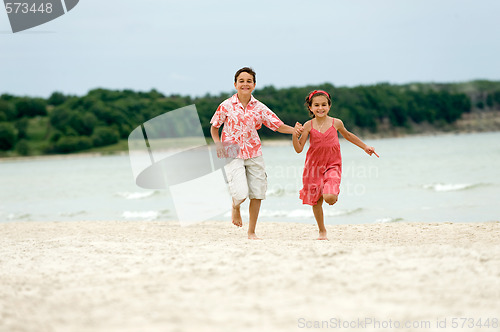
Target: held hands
(371, 150)
(298, 129)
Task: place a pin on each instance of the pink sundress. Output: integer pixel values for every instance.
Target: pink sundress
(323, 166)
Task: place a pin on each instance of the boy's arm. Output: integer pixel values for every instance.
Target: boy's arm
(285, 129)
(217, 121)
(215, 134)
(214, 131)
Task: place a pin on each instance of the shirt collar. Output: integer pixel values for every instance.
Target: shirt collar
(235, 100)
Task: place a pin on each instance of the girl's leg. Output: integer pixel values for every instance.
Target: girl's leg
(254, 214)
(330, 198)
(318, 214)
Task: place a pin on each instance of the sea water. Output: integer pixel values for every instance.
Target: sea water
(439, 178)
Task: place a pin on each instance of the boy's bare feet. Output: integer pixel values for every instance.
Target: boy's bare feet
(253, 236)
(322, 236)
(236, 216)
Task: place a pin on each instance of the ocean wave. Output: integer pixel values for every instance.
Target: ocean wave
(298, 213)
(388, 220)
(336, 213)
(143, 215)
(137, 195)
(146, 215)
(278, 191)
(445, 187)
(72, 214)
(18, 216)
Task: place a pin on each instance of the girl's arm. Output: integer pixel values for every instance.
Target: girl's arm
(299, 143)
(339, 125)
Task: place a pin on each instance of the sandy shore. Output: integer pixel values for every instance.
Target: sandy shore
(155, 276)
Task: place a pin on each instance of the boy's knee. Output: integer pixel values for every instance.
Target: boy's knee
(330, 198)
(237, 202)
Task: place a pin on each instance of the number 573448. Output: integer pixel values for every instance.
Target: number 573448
(25, 8)
(474, 323)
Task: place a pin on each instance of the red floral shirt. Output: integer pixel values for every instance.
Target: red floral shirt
(241, 125)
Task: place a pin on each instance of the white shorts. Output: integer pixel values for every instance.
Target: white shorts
(247, 178)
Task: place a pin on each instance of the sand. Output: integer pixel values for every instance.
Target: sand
(158, 276)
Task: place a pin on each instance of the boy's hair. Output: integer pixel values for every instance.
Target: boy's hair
(245, 70)
(311, 96)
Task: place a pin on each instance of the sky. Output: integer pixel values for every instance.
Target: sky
(194, 47)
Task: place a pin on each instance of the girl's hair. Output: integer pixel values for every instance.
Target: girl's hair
(245, 70)
(313, 94)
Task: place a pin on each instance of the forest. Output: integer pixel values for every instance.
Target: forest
(104, 118)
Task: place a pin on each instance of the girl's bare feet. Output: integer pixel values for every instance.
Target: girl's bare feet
(236, 216)
(322, 236)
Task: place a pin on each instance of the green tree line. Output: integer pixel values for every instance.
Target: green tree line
(66, 123)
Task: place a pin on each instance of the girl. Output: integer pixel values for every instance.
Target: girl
(242, 115)
(323, 166)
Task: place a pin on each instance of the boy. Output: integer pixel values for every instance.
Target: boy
(242, 115)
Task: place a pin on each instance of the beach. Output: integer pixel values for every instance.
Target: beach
(158, 276)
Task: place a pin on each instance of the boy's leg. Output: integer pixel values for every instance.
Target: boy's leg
(257, 186)
(254, 214)
(236, 213)
(318, 214)
(238, 187)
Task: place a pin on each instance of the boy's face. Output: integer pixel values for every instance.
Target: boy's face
(244, 84)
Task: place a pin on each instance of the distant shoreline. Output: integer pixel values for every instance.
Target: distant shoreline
(265, 142)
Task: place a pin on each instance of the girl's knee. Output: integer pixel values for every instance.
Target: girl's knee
(330, 198)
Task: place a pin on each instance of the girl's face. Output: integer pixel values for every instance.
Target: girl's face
(244, 84)
(319, 106)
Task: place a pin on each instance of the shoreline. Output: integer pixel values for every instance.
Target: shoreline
(265, 142)
(151, 276)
